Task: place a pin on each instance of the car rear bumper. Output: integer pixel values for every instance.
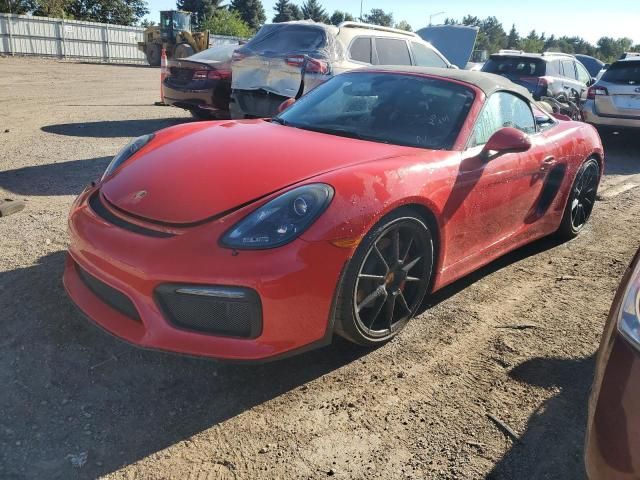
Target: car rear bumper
(290, 289)
(197, 99)
(254, 104)
(598, 120)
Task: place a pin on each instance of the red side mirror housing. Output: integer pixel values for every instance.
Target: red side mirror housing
(286, 104)
(506, 140)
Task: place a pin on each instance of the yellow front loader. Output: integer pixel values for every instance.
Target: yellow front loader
(174, 34)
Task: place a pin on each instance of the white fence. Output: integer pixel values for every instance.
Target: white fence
(56, 37)
(60, 38)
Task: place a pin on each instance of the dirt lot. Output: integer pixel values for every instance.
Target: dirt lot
(77, 403)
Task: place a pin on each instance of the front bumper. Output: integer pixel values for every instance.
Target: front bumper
(295, 284)
(592, 117)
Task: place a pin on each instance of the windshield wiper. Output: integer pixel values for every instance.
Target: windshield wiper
(336, 131)
(279, 120)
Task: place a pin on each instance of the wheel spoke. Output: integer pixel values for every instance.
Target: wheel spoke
(377, 312)
(403, 302)
(408, 249)
(391, 306)
(373, 296)
(395, 245)
(371, 277)
(407, 268)
(382, 259)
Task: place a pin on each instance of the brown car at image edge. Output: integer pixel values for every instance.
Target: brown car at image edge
(612, 449)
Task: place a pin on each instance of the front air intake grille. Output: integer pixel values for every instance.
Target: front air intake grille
(223, 311)
(109, 295)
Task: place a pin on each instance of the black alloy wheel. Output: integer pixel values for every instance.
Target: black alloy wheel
(386, 280)
(581, 200)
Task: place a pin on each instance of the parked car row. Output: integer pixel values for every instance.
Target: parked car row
(251, 81)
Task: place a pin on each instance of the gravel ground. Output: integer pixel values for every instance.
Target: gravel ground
(77, 403)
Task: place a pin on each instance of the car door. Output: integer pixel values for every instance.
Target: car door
(584, 78)
(572, 87)
(492, 199)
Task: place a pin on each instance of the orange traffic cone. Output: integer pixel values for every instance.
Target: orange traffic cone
(163, 75)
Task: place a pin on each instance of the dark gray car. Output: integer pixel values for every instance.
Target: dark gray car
(556, 75)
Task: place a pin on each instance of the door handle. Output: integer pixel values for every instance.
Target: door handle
(547, 163)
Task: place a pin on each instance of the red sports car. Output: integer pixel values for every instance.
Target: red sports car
(253, 239)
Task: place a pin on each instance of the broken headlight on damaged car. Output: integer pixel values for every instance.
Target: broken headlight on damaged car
(629, 320)
(280, 220)
(126, 153)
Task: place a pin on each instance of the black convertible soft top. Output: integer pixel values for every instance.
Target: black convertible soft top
(487, 82)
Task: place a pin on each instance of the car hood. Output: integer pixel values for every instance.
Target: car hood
(197, 171)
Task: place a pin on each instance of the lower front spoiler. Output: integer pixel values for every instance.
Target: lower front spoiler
(170, 339)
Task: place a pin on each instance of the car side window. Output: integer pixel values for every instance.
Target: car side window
(426, 57)
(569, 70)
(392, 51)
(360, 50)
(503, 109)
(583, 75)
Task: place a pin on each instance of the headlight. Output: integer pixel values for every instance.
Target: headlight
(127, 152)
(281, 220)
(629, 321)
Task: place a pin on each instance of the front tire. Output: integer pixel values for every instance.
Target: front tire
(581, 200)
(183, 50)
(386, 279)
(153, 54)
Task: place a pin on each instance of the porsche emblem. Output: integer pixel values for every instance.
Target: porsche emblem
(139, 195)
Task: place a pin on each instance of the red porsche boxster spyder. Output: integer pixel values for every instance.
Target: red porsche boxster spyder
(253, 239)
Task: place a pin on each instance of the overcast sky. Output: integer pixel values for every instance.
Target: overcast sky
(586, 18)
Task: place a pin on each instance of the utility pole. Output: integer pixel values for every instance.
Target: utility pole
(361, 10)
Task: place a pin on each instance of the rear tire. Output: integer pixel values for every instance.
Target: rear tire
(153, 55)
(581, 200)
(386, 280)
(199, 114)
(183, 50)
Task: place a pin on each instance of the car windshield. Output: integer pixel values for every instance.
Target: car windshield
(519, 66)
(285, 38)
(220, 53)
(392, 108)
(623, 72)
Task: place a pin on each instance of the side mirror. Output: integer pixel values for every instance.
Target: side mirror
(286, 104)
(506, 140)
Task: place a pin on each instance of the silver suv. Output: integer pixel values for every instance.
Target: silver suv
(614, 101)
(268, 69)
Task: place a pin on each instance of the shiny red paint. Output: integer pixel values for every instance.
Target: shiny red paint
(201, 178)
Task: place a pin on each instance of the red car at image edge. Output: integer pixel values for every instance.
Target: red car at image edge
(255, 239)
(612, 450)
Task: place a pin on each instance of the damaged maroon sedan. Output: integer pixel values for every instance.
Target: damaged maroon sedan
(613, 432)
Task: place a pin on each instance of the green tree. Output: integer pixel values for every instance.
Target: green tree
(147, 23)
(378, 16)
(338, 17)
(202, 8)
(17, 6)
(312, 10)
(227, 22)
(118, 12)
(513, 39)
(404, 25)
(532, 43)
(286, 12)
(52, 8)
(610, 49)
(251, 11)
